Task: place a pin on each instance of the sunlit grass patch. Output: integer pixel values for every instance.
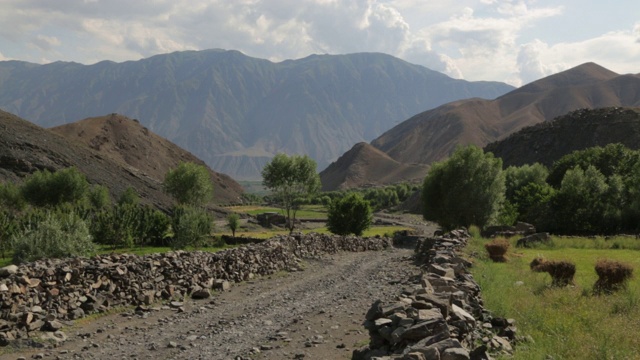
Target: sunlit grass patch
(569, 322)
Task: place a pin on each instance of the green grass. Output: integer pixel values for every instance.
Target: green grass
(565, 323)
(307, 211)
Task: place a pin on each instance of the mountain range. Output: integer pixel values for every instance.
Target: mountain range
(233, 111)
(433, 135)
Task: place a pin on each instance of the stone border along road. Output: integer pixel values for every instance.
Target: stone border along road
(313, 314)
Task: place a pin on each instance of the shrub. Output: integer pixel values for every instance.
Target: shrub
(129, 197)
(57, 236)
(44, 188)
(497, 249)
(190, 227)
(349, 215)
(10, 197)
(115, 226)
(562, 272)
(233, 221)
(612, 276)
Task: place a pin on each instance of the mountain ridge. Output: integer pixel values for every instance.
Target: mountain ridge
(26, 148)
(221, 104)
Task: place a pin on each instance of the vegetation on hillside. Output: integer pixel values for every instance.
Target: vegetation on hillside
(592, 191)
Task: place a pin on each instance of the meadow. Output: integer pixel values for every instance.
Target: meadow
(570, 322)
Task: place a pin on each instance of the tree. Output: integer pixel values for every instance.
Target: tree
(189, 184)
(467, 189)
(44, 188)
(129, 197)
(349, 215)
(233, 221)
(291, 178)
(99, 197)
(190, 227)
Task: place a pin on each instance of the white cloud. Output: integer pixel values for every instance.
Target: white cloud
(471, 39)
(45, 43)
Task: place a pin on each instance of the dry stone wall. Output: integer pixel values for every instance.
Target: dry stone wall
(46, 295)
(442, 317)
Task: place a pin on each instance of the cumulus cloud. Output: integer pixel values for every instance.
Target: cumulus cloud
(44, 42)
(471, 39)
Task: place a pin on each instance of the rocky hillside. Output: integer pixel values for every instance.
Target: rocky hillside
(433, 135)
(547, 142)
(133, 146)
(233, 111)
(365, 165)
(25, 148)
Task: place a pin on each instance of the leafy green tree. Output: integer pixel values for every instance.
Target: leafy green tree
(191, 226)
(349, 215)
(533, 204)
(129, 197)
(580, 203)
(44, 188)
(189, 184)
(11, 197)
(233, 221)
(609, 160)
(467, 189)
(290, 178)
(99, 197)
(517, 177)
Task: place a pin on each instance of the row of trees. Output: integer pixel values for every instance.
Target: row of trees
(593, 191)
(60, 213)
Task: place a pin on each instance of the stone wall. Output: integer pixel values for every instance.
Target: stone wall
(442, 317)
(44, 295)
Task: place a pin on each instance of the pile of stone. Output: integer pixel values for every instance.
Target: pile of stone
(442, 317)
(520, 228)
(44, 295)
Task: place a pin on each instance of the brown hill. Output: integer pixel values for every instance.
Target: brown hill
(433, 135)
(133, 146)
(549, 141)
(25, 148)
(365, 165)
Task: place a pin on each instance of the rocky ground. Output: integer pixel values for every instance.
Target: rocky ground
(316, 313)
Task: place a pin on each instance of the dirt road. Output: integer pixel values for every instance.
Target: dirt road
(311, 314)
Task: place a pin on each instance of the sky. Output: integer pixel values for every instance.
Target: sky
(513, 41)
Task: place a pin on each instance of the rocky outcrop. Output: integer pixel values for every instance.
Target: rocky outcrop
(442, 317)
(45, 295)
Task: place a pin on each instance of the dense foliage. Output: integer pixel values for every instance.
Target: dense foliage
(189, 184)
(592, 191)
(467, 189)
(57, 235)
(292, 179)
(191, 227)
(349, 215)
(60, 214)
(44, 188)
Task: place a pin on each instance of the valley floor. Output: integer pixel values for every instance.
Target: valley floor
(316, 313)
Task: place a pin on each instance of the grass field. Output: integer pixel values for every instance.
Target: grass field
(565, 323)
(306, 212)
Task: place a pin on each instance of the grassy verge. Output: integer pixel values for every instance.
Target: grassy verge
(565, 323)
